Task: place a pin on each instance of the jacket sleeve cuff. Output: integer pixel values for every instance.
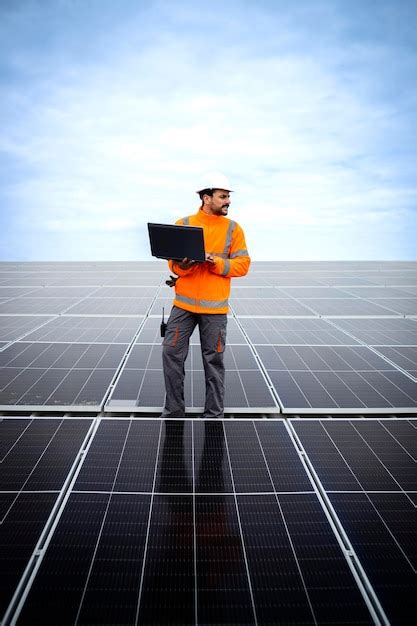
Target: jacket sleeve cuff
(221, 266)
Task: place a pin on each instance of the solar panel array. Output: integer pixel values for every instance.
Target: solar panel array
(298, 508)
(315, 337)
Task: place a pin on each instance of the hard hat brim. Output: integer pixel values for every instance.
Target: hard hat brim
(212, 188)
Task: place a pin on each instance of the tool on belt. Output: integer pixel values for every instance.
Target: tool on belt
(172, 281)
(163, 324)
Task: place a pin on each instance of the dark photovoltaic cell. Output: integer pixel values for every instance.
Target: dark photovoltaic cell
(36, 457)
(294, 331)
(269, 306)
(346, 306)
(284, 464)
(367, 473)
(290, 545)
(403, 306)
(206, 557)
(405, 433)
(123, 453)
(141, 382)
(126, 292)
(316, 292)
(174, 471)
(23, 517)
(335, 377)
(37, 374)
(168, 592)
(240, 293)
(35, 460)
(62, 292)
(88, 329)
(211, 462)
(199, 521)
(371, 292)
(10, 432)
(381, 332)
(110, 528)
(223, 592)
(403, 356)
(14, 292)
(111, 306)
(13, 327)
(389, 569)
(250, 472)
(44, 306)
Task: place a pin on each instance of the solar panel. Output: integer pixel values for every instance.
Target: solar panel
(367, 473)
(33, 471)
(124, 518)
(87, 329)
(141, 382)
(294, 331)
(111, 306)
(381, 332)
(269, 306)
(37, 374)
(329, 377)
(346, 306)
(228, 555)
(403, 306)
(403, 356)
(44, 306)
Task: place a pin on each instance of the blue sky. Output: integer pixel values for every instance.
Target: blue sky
(112, 110)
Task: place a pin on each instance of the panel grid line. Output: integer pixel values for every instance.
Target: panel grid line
(103, 522)
(286, 528)
(240, 526)
(370, 501)
(355, 565)
(148, 528)
(22, 590)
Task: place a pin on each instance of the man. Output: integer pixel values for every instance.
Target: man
(201, 297)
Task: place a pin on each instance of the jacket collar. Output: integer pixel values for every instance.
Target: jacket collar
(207, 219)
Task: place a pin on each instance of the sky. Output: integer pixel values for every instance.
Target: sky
(112, 111)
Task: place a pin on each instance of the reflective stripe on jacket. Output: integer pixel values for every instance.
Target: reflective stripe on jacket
(205, 287)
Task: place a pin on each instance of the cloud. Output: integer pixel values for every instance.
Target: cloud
(306, 127)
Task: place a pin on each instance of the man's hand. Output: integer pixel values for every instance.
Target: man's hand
(185, 264)
(210, 258)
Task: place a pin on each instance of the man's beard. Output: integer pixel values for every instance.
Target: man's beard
(223, 210)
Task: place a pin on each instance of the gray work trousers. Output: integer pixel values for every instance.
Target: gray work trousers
(176, 342)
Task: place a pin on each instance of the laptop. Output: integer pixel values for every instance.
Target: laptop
(169, 241)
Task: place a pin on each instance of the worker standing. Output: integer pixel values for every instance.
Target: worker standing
(201, 297)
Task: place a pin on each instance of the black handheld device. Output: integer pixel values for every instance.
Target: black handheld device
(163, 324)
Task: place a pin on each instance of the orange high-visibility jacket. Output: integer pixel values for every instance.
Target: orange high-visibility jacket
(205, 287)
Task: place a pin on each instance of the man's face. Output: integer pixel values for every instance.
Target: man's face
(219, 202)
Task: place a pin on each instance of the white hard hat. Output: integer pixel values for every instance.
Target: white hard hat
(214, 180)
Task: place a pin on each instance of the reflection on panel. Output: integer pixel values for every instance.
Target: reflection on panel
(88, 329)
(57, 374)
(294, 331)
(141, 383)
(164, 551)
(335, 377)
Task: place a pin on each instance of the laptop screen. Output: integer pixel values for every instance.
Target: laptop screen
(170, 241)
